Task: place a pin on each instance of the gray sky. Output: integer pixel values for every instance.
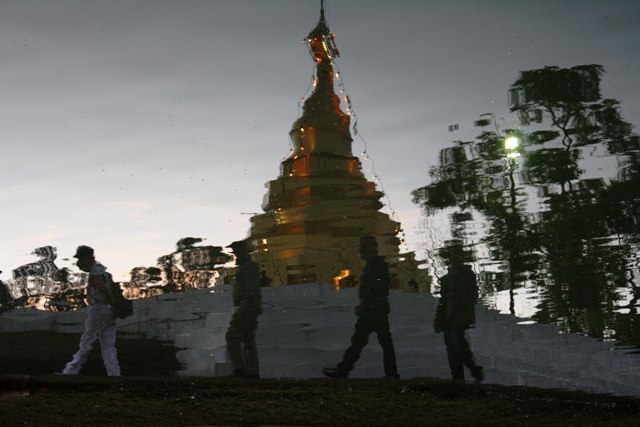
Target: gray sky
(127, 125)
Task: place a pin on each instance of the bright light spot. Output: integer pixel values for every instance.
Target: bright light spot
(511, 143)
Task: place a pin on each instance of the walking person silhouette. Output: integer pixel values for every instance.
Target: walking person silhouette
(456, 313)
(247, 302)
(372, 312)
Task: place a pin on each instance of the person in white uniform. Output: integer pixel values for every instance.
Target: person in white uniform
(101, 320)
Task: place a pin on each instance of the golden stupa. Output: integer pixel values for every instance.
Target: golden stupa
(321, 203)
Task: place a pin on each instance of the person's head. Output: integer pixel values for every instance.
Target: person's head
(85, 257)
(368, 247)
(453, 254)
(240, 249)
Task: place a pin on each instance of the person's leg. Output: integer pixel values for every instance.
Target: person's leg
(250, 350)
(108, 343)
(452, 338)
(359, 340)
(234, 344)
(467, 358)
(386, 342)
(92, 326)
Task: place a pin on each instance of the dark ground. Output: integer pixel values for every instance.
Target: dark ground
(160, 401)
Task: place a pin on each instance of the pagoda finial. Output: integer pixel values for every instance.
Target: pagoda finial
(321, 42)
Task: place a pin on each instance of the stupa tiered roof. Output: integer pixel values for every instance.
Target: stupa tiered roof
(320, 205)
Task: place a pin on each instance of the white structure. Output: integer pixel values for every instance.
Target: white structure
(306, 327)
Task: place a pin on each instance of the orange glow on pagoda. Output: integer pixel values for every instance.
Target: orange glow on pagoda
(321, 203)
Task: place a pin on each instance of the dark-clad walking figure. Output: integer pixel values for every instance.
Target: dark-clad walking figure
(265, 281)
(372, 312)
(247, 302)
(456, 313)
(101, 320)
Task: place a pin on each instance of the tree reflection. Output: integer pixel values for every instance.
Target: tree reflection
(551, 224)
(477, 177)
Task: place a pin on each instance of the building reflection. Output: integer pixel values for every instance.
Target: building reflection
(315, 212)
(320, 205)
(43, 286)
(190, 267)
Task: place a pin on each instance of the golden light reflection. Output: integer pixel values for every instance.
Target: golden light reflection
(345, 280)
(320, 205)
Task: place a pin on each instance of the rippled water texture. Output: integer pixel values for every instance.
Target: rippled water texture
(550, 226)
(545, 203)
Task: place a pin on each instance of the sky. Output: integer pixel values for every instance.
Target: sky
(129, 124)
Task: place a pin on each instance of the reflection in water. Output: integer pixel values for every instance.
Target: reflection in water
(190, 267)
(315, 213)
(320, 205)
(43, 286)
(537, 212)
(101, 318)
(550, 228)
(247, 306)
(372, 312)
(456, 312)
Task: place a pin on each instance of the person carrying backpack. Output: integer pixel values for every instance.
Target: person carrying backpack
(101, 320)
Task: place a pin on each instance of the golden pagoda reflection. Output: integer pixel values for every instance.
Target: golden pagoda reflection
(321, 203)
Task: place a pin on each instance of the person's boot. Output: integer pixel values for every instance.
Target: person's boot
(477, 373)
(335, 373)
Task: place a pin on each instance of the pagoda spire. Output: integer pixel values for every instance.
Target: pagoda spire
(321, 42)
(321, 113)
